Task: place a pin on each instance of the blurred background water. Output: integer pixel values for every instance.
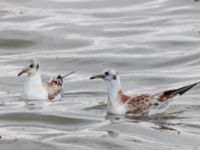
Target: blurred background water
(154, 44)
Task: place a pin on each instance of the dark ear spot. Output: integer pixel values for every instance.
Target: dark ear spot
(38, 66)
(114, 77)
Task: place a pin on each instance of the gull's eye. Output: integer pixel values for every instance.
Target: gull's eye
(31, 66)
(106, 73)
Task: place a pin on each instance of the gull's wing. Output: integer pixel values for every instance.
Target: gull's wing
(152, 104)
(139, 104)
(54, 88)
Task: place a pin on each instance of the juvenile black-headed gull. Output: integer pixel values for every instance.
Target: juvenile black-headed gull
(143, 104)
(34, 88)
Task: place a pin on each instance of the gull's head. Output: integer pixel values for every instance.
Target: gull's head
(109, 75)
(32, 68)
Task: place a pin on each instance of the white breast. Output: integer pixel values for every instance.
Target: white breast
(116, 108)
(33, 88)
(35, 92)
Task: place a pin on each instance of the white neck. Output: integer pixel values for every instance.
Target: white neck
(35, 79)
(33, 86)
(114, 86)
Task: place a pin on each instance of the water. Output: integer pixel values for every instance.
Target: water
(154, 45)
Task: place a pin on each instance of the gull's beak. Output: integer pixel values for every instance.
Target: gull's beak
(100, 76)
(25, 70)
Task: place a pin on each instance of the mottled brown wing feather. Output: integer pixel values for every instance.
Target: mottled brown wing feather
(53, 89)
(122, 98)
(53, 96)
(139, 104)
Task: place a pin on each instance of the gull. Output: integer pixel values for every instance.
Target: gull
(141, 104)
(35, 89)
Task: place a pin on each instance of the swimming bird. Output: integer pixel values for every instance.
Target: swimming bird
(141, 104)
(34, 88)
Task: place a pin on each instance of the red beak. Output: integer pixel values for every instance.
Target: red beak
(100, 76)
(22, 72)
